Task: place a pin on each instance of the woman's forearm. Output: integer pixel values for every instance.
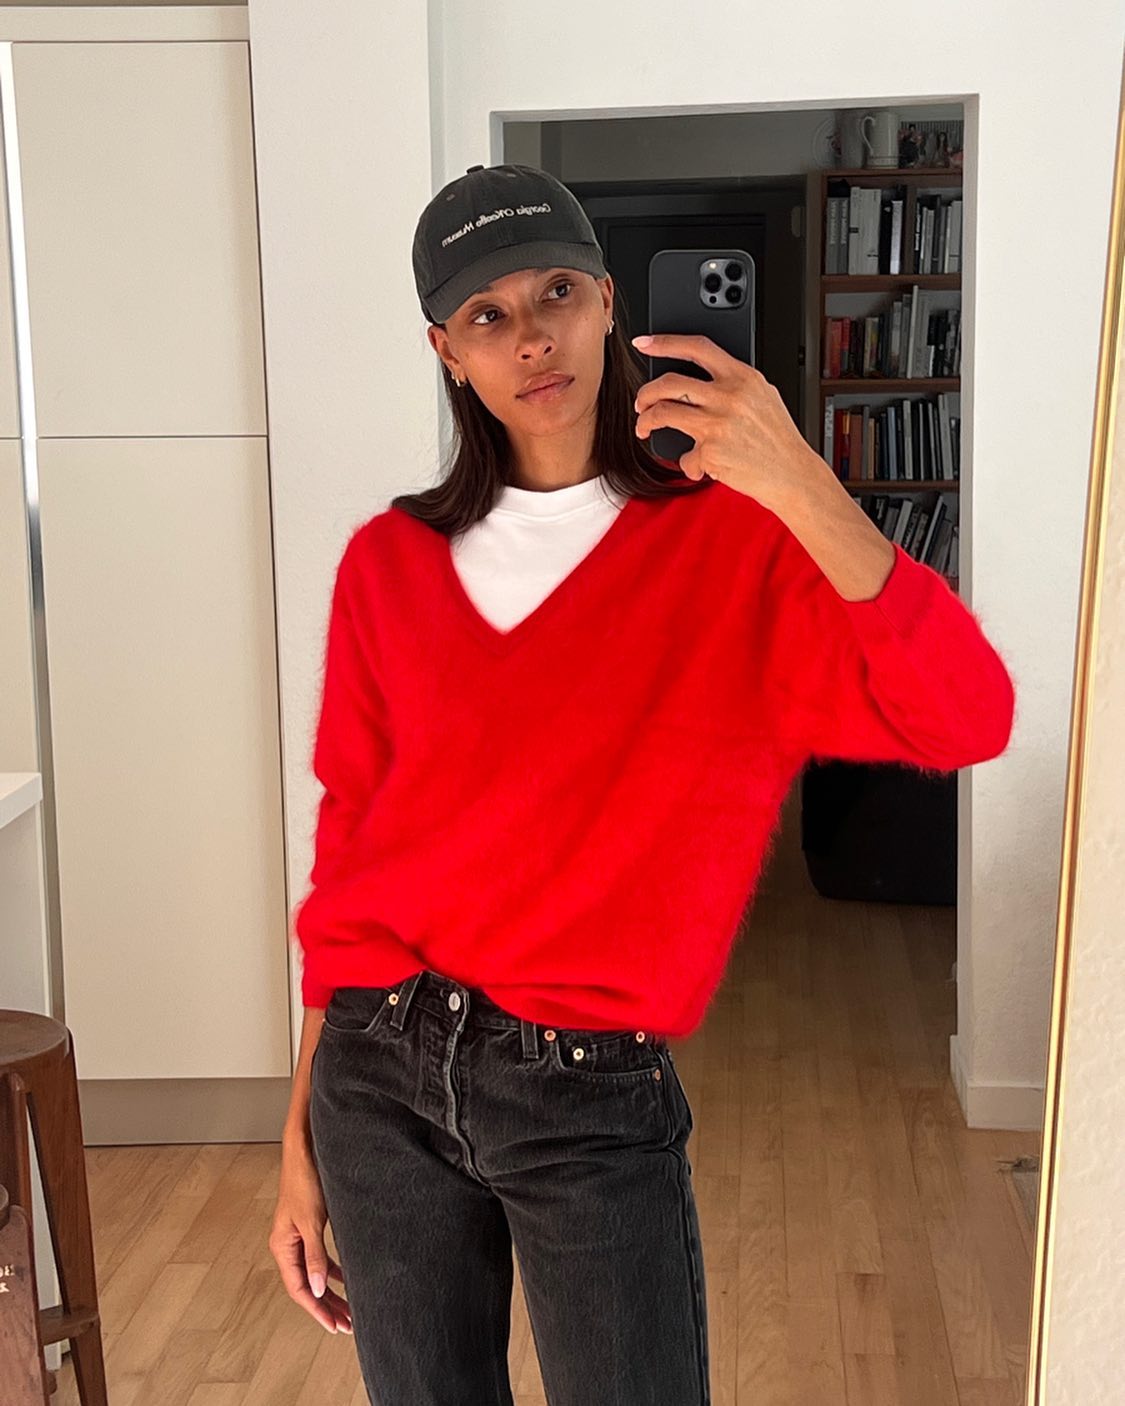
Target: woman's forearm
(296, 1132)
(847, 545)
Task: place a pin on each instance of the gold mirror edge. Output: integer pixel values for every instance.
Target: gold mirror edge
(1097, 507)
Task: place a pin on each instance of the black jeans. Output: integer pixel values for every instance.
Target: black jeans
(446, 1131)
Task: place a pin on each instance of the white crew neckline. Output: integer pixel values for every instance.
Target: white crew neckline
(553, 502)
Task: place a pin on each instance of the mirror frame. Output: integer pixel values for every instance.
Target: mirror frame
(1094, 613)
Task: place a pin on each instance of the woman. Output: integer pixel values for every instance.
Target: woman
(565, 694)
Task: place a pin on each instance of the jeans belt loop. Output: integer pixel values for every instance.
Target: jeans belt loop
(406, 991)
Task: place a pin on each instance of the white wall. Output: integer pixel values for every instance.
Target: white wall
(361, 117)
(342, 132)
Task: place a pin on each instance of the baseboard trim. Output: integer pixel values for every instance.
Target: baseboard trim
(136, 1112)
(1013, 1107)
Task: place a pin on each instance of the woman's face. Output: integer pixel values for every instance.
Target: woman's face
(531, 323)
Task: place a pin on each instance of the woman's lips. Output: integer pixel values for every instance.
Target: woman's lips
(547, 392)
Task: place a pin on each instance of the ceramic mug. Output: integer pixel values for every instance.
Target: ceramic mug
(882, 146)
(851, 138)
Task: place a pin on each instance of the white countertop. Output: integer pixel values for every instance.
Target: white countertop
(19, 791)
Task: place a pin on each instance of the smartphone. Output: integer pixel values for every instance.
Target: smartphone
(699, 291)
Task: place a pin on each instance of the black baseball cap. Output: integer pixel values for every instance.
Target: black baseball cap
(496, 220)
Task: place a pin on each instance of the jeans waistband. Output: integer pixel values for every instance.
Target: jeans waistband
(466, 1006)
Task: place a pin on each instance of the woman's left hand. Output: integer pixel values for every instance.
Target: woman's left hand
(744, 436)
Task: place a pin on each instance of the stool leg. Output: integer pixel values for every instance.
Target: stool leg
(57, 1123)
(17, 1249)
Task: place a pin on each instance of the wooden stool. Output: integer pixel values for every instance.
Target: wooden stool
(21, 1353)
(37, 1077)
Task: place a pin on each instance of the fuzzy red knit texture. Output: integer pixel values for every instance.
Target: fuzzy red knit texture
(572, 815)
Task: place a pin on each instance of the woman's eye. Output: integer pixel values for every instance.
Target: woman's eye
(563, 283)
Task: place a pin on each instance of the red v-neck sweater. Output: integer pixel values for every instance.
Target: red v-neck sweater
(572, 815)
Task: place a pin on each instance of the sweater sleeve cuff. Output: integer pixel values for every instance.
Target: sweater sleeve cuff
(314, 993)
(906, 597)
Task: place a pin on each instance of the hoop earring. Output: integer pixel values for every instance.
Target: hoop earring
(609, 329)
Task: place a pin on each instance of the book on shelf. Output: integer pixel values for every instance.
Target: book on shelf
(865, 230)
(907, 440)
(911, 340)
(928, 533)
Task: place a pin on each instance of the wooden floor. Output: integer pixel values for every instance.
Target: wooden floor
(863, 1248)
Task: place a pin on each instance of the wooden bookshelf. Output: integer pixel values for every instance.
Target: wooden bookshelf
(885, 385)
(823, 288)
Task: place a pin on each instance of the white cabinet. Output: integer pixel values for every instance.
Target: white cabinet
(142, 239)
(160, 636)
(137, 502)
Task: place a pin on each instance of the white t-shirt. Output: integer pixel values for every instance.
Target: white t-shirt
(512, 559)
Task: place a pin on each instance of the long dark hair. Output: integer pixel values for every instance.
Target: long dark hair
(479, 467)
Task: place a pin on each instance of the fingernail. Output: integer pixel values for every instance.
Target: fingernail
(641, 341)
(316, 1283)
(345, 1329)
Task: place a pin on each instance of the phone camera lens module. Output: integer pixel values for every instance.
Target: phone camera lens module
(735, 272)
(712, 283)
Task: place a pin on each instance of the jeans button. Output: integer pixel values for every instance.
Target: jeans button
(454, 1001)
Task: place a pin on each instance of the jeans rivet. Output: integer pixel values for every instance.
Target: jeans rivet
(549, 1035)
(393, 998)
(656, 1073)
(579, 1053)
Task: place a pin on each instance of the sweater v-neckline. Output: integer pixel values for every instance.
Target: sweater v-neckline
(501, 641)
